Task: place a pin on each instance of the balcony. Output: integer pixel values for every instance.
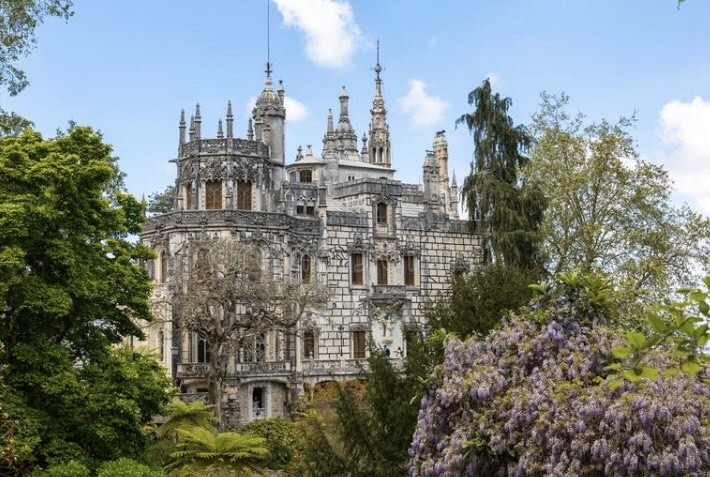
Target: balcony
(201, 370)
(388, 292)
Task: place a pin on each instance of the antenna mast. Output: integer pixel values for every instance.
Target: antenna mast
(268, 37)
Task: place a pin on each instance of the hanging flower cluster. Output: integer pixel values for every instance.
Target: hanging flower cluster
(530, 400)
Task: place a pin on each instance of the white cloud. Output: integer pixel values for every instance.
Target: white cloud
(423, 109)
(332, 36)
(684, 126)
(295, 110)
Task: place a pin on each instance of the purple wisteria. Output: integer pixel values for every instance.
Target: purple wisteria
(530, 400)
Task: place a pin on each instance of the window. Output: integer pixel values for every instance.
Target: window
(409, 270)
(243, 195)
(356, 268)
(163, 266)
(300, 209)
(381, 213)
(188, 197)
(310, 210)
(305, 269)
(309, 344)
(305, 175)
(213, 195)
(203, 352)
(382, 272)
(359, 344)
(292, 177)
(258, 403)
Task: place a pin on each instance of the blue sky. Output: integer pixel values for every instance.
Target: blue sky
(128, 67)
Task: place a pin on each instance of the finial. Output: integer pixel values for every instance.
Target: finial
(250, 131)
(230, 121)
(330, 121)
(182, 126)
(197, 112)
(220, 134)
(453, 179)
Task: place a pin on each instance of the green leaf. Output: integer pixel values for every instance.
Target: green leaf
(669, 373)
(621, 352)
(614, 367)
(691, 368)
(704, 308)
(615, 383)
(649, 373)
(632, 376)
(635, 339)
(698, 296)
(656, 323)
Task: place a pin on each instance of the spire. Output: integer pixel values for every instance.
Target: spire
(453, 179)
(192, 128)
(198, 122)
(220, 134)
(230, 120)
(250, 131)
(378, 70)
(281, 91)
(330, 121)
(345, 134)
(182, 126)
(380, 152)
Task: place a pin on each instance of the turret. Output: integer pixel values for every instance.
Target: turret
(269, 116)
(345, 135)
(454, 198)
(380, 152)
(441, 153)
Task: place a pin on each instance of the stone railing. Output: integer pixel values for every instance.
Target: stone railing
(237, 217)
(355, 219)
(193, 370)
(187, 398)
(389, 291)
(313, 367)
(268, 367)
(222, 145)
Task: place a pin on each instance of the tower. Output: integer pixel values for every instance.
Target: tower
(269, 115)
(379, 130)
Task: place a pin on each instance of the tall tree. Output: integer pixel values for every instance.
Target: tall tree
(227, 300)
(70, 288)
(18, 22)
(501, 204)
(609, 210)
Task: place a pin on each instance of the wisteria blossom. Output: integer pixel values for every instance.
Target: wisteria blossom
(530, 400)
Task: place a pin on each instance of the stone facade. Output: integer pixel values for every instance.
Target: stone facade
(382, 248)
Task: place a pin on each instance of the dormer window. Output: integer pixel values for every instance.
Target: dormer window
(305, 175)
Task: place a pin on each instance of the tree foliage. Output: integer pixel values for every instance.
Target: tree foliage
(70, 288)
(529, 400)
(162, 202)
(610, 211)
(18, 21)
(504, 207)
(478, 302)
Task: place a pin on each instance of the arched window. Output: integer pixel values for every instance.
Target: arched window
(203, 352)
(244, 195)
(163, 266)
(305, 269)
(382, 272)
(213, 195)
(381, 213)
(309, 344)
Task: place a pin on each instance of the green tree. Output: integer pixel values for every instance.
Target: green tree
(478, 302)
(610, 211)
(208, 452)
(502, 205)
(18, 21)
(70, 289)
(282, 440)
(162, 202)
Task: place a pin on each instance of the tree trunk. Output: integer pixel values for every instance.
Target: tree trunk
(216, 378)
